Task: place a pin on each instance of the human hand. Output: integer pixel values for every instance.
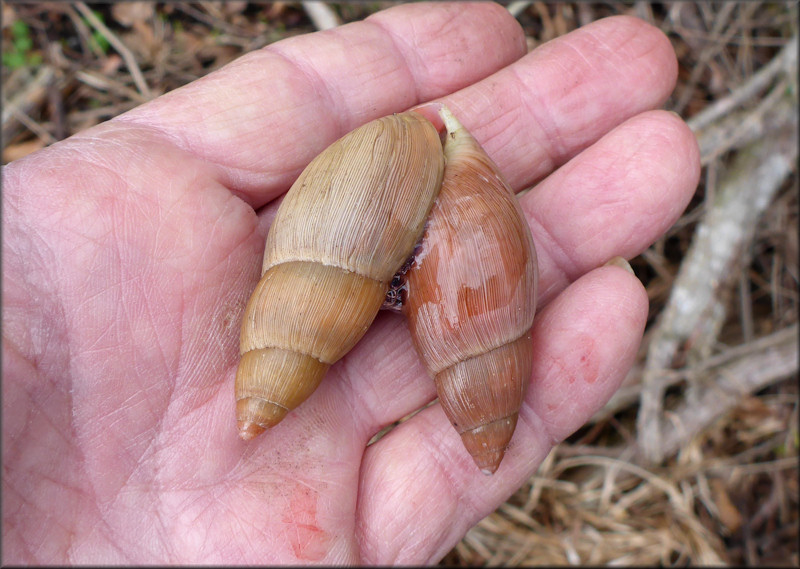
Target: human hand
(130, 250)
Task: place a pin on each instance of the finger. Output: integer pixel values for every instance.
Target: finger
(539, 112)
(584, 342)
(614, 198)
(267, 114)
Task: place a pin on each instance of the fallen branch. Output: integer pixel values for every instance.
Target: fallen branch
(631, 389)
(695, 311)
(720, 389)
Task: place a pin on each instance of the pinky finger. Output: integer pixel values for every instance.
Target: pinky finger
(420, 491)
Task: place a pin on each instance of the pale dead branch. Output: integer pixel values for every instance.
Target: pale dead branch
(321, 15)
(719, 389)
(696, 308)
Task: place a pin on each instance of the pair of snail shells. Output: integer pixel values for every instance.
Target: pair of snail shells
(348, 224)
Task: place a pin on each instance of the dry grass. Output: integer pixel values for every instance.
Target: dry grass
(694, 461)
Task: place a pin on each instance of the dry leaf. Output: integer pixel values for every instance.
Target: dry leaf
(17, 151)
(728, 513)
(129, 13)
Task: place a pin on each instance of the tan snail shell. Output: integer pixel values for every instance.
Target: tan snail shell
(346, 226)
(343, 230)
(471, 298)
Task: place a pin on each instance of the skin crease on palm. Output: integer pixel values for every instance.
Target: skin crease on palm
(130, 249)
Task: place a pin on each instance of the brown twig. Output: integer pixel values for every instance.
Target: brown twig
(721, 19)
(15, 111)
(120, 47)
(784, 62)
(744, 127)
(105, 83)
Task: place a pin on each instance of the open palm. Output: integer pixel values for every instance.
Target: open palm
(129, 251)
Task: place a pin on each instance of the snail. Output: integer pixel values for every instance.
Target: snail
(343, 230)
(400, 222)
(471, 298)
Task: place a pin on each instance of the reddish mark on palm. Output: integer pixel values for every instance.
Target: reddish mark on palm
(579, 363)
(308, 541)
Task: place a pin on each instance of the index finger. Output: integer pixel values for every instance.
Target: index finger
(263, 117)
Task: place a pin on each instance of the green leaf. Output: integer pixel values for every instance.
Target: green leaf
(100, 41)
(13, 59)
(23, 44)
(20, 29)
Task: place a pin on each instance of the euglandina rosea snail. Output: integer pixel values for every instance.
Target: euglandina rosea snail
(470, 298)
(346, 227)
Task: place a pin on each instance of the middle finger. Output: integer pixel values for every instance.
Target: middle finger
(542, 110)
